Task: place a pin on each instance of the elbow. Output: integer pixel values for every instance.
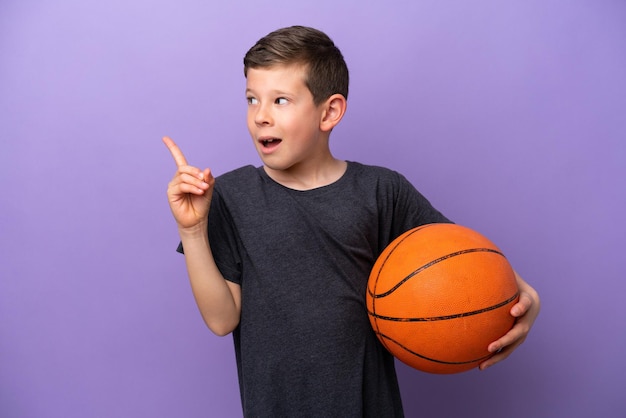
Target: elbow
(222, 328)
(221, 331)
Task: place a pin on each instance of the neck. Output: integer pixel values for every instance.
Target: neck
(308, 177)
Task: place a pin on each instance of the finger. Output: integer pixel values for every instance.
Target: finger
(502, 349)
(523, 304)
(179, 158)
(184, 182)
(514, 337)
(178, 188)
(193, 180)
(186, 188)
(192, 171)
(496, 358)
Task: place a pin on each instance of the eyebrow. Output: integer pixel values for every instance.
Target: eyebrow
(274, 92)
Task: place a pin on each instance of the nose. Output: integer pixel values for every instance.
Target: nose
(263, 115)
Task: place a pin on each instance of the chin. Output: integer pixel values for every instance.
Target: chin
(275, 165)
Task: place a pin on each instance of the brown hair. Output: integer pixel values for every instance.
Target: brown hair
(327, 72)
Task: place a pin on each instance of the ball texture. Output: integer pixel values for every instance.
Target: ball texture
(438, 295)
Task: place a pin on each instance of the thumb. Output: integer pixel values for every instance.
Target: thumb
(207, 176)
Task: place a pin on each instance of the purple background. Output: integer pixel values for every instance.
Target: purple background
(509, 116)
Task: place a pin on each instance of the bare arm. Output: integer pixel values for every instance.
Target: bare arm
(189, 194)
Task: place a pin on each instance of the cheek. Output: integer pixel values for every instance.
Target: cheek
(297, 123)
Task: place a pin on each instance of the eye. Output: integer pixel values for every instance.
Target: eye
(281, 101)
(252, 100)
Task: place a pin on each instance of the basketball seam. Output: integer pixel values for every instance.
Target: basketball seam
(431, 359)
(428, 265)
(378, 276)
(446, 317)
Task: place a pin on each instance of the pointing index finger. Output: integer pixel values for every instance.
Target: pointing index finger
(179, 158)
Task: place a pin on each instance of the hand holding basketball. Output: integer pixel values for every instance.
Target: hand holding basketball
(525, 312)
(190, 190)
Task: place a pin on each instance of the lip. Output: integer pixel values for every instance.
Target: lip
(268, 144)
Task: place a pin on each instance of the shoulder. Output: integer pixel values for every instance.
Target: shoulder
(387, 184)
(373, 170)
(238, 175)
(240, 179)
(377, 174)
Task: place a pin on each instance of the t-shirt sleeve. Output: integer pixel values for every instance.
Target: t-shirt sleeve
(411, 209)
(223, 240)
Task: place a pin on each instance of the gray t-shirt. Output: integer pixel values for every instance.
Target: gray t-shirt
(304, 346)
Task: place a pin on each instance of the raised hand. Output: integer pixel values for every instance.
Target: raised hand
(190, 190)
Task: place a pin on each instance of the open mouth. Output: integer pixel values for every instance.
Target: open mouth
(270, 142)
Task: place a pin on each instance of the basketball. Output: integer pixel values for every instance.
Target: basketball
(438, 295)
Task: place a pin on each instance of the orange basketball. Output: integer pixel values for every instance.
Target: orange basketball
(438, 295)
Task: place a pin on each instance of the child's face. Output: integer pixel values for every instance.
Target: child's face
(283, 120)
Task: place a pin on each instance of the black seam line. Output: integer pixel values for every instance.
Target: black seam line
(432, 359)
(430, 264)
(446, 317)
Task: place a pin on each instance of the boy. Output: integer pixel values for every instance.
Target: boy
(290, 244)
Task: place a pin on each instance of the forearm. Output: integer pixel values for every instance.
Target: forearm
(218, 300)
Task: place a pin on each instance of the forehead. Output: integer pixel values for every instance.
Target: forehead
(282, 77)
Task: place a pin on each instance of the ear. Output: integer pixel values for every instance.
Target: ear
(333, 110)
